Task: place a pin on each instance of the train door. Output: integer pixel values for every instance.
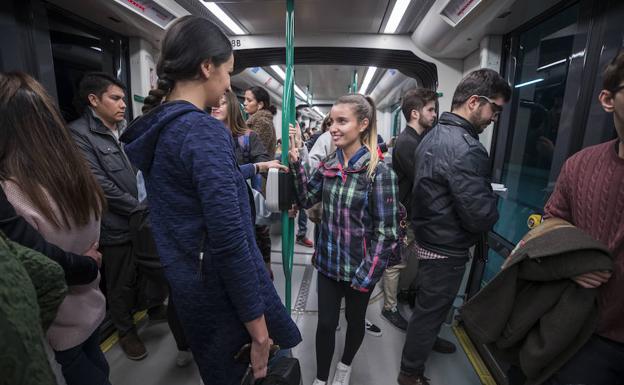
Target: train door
(79, 47)
(554, 65)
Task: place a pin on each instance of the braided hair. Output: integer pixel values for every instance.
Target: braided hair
(189, 41)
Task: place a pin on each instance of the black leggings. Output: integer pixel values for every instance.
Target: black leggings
(330, 294)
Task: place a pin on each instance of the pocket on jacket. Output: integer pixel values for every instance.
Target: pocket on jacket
(111, 158)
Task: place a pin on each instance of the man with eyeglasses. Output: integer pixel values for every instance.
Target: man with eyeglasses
(452, 206)
(590, 194)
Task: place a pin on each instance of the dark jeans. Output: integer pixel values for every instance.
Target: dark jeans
(437, 282)
(599, 362)
(263, 240)
(133, 282)
(302, 223)
(84, 364)
(330, 294)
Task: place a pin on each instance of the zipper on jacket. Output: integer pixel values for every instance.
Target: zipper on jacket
(200, 272)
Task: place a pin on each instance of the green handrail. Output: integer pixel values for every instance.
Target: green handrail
(288, 116)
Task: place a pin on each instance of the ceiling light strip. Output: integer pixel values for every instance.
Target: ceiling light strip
(224, 18)
(367, 79)
(398, 11)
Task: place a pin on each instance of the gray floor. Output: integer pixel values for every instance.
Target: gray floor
(377, 361)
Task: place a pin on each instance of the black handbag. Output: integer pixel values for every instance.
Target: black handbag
(282, 371)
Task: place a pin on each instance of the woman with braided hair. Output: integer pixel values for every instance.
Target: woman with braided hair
(200, 209)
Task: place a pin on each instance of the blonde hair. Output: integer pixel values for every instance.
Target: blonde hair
(364, 108)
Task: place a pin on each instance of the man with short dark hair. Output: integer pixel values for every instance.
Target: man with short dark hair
(97, 132)
(419, 109)
(452, 206)
(590, 194)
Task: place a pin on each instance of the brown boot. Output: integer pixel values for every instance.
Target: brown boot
(412, 379)
(133, 346)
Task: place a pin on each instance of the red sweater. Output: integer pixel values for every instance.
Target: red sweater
(590, 194)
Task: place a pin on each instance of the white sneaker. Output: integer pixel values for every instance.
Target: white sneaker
(342, 375)
(318, 382)
(184, 358)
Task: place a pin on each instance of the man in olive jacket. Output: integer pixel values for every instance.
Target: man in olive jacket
(97, 131)
(452, 206)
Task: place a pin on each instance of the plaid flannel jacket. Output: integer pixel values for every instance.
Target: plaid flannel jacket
(359, 225)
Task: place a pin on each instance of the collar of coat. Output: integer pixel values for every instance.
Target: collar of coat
(333, 165)
(96, 124)
(451, 119)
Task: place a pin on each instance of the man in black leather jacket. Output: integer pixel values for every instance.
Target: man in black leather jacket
(452, 206)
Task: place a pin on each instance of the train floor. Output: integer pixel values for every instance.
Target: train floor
(377, 361)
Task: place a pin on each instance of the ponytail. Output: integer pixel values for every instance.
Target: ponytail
(364, 108)
(158, 94)
(272, 109)
(370, 138)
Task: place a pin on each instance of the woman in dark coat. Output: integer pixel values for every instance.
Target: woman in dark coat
(200, 210)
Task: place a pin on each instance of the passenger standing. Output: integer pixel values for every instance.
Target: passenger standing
(452, 206)
(590, 194)
(247, 144)
(258, 106)
(47, 181)
(358, 227)
(97, 132)
(199, 207)
(419, 109)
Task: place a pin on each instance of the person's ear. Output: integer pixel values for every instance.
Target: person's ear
(260, 105)
(207, 68)
(415, 115)
(93, 100)
(364, 125)
(473, 103)
(606, 100)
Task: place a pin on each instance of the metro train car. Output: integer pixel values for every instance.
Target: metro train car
(559, 101)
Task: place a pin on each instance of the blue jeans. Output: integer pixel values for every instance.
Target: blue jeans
(84, 364)
(302, 223)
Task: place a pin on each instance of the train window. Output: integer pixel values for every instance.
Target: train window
(542, 56)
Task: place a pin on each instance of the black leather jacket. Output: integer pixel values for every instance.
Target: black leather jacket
(452, 199)
(114, 173)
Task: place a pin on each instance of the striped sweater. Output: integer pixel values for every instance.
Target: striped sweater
(359, 225)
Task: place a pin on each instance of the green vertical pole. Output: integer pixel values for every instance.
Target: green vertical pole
(354, 86)
(288, 116)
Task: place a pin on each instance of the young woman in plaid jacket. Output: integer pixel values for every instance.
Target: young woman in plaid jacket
(359, 227)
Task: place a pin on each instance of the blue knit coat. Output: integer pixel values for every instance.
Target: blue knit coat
(199, 205)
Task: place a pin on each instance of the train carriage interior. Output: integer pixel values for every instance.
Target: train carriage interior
(551, 52)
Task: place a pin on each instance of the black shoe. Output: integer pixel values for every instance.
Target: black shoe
(395, 318)
(412, 379)
(443, 346)
(157, 314)
(132, 345)
(372, 329)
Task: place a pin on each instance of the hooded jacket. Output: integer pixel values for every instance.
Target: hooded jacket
(532, 314)
(452, 200)
(202, 225)
(359, 225)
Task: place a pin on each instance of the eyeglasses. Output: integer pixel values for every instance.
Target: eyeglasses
(497, 109)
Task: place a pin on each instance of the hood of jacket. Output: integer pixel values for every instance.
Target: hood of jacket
(141, 136)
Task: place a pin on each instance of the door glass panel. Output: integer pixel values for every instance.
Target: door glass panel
(541, 71)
